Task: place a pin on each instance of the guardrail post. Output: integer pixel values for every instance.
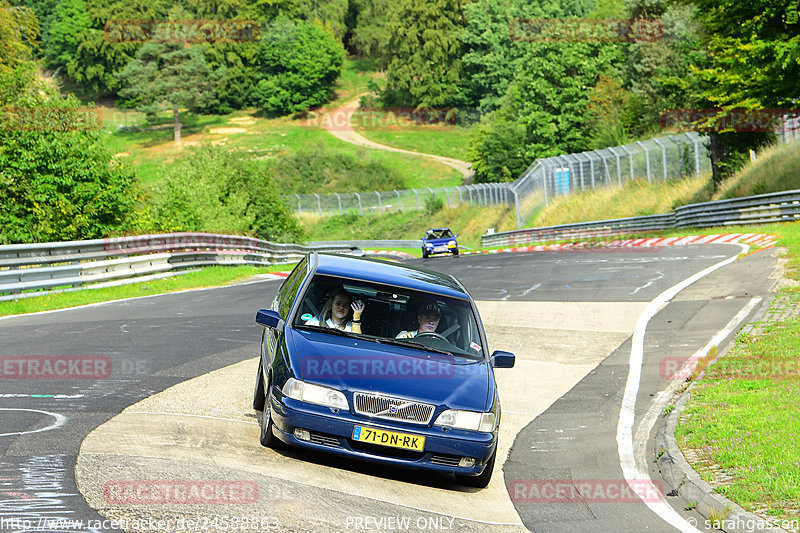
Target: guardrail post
(591, 170)
(319, 205)
(360, 211)
(647, 159)
(447, 197)
(416, 196)
(399, 207)
(380, 206)
(340, 202)
(516, 207)
(460, 196)
(299, 206)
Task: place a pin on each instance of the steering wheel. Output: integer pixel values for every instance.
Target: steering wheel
(432, 334)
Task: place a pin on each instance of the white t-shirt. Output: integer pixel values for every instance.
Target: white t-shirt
(329, 323)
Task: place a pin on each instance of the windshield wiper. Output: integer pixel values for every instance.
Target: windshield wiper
(410, 343)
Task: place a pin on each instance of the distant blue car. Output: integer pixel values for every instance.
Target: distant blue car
(439, 241)
(415, 388)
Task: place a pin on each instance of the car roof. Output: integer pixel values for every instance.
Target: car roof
(380, 271)
(438, 229)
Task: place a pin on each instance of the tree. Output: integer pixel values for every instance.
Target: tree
(215, 191)
(753, 63)
(58, 181)
(497, 145)
(491, 50)
(18, 31)
(424, 50)
(169, 75)
(299, 63)
(370, 36)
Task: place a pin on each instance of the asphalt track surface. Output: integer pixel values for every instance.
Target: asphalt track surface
(130, 350)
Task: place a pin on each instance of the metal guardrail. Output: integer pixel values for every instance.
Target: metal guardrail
(761, 209)
(48, 266)
(416, 243)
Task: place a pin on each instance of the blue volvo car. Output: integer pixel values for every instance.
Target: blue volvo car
(439, 241)
(381, 362)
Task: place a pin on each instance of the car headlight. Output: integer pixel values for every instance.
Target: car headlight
(472, 420)
(451, 243)
(308, 392)
(428, 245)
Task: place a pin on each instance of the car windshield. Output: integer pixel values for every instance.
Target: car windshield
(393, 315)
(439, 234)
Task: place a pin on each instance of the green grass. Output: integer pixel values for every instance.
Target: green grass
(206, 277)
(744, 416)
(447, 141)
(468, 222)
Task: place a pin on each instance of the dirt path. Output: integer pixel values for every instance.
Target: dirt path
(337, 122)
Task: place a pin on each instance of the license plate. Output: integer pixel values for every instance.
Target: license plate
(389, 438)
(440, 249)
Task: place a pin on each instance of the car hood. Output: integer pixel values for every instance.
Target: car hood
(436, 242)
(351, 365)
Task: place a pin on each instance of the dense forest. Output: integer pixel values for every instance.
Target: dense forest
(537, 78)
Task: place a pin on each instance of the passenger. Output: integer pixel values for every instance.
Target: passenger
(336, 311)
(428, 319)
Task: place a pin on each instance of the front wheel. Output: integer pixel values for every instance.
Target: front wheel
(424, 253)
(267, 438)
(481, 481)
(455, 251)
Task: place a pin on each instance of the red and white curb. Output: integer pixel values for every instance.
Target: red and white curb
(759, 240)
(401, 255)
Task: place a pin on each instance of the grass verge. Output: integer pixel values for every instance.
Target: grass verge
(743, 417)
(206, 277)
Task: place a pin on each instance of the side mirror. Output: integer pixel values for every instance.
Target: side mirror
(501, 359)
(269, 318)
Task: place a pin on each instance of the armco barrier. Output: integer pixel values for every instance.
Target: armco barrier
(48, 266)
(761, 209)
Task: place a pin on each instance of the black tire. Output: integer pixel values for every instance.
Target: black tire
(259, 394)
(481, 481)
(424, 254)
(455, 252)
(266, 438)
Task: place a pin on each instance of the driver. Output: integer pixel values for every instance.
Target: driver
(428, 319)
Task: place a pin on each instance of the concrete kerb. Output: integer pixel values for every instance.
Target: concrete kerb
(681, 480)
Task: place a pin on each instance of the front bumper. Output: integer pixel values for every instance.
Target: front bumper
(332, 433)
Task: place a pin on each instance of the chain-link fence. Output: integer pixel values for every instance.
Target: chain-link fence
(482, 194)
(659, 159)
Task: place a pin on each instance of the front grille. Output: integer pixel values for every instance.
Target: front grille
(445, 460)
(322, 438)
(376, 406)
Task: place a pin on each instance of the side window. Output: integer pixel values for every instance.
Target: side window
(288, 290)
